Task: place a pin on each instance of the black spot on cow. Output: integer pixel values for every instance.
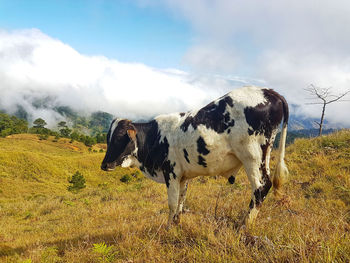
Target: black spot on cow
(227, 117)
(168, 169)
(265, 117)
(152, 152)
(251, 204)
(186, 155)
(212, 116)
(261, 193)
(231, 179)
(201, 161)
(202, 146)
(231, 123)
(182, 114)
(228, 131)
(250, 131)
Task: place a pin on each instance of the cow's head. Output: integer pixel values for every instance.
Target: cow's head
(121, 145)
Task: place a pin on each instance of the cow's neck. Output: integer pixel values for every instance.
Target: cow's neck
(147, 136)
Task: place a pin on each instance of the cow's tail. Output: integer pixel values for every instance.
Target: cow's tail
(281, 171)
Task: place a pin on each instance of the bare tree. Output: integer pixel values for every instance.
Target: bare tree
(326, 97)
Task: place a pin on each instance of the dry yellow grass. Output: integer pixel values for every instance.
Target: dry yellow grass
(40, 221)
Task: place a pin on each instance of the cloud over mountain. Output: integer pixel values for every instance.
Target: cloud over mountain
(37, 69)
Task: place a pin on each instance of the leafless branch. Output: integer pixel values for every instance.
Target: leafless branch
(326, 96)
(342, 100)
(338, 97)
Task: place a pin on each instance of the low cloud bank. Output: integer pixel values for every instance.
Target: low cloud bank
(39, 73)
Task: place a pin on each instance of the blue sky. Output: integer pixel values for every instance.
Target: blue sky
(119, 29)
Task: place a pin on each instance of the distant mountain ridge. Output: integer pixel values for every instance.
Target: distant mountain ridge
(99, 121)
(92, 124)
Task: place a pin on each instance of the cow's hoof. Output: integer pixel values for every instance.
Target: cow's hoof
(176, 219)
(185, 210)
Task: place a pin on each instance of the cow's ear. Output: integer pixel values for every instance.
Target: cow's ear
(132, 134)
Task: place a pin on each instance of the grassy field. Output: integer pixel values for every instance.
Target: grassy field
(121, 216)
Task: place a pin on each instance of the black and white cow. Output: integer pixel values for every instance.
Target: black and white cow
(235, 130)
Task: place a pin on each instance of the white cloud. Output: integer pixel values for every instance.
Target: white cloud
(288, 44)
(293, 74)
(34, 65)
(211, 59)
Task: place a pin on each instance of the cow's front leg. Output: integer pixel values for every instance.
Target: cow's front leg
(182, 198)
(173, 200)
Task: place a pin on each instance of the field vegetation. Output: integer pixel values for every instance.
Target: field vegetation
(121, 216)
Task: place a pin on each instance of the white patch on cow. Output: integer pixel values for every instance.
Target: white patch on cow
(127, 162)
(249, 96)
(168, 122)
(115, 124)
(131, 160)
(252, 160)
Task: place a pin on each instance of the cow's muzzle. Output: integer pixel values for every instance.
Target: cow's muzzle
(108, 166)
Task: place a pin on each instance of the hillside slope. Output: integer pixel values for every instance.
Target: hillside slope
(40, 221)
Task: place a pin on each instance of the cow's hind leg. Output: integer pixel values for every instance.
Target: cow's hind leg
(173, 200)
(258, 174)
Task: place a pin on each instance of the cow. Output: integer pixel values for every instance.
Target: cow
(235, 130)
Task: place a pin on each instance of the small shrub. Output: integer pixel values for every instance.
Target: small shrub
(69, 203)
(101, 150)
(28, 215)
(77, 182)
(103, 185)
(43, 136)
(106, 197)
(89, 141)
(126, 178)
(106, 253)
(137, 175)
